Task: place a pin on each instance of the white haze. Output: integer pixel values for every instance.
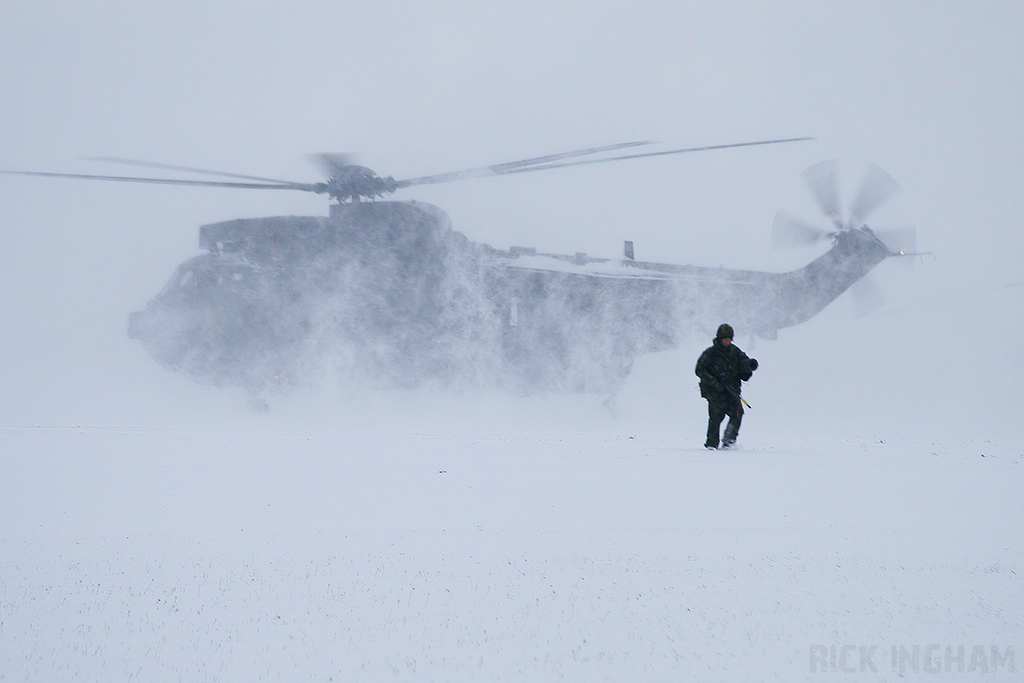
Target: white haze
(876, 500)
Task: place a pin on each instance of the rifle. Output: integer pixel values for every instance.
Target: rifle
(720, 376)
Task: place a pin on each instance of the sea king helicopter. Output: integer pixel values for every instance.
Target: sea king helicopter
(387, 294)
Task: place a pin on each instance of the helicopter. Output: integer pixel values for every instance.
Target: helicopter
(387, 294)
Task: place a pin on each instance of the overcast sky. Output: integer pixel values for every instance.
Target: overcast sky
(931, 92)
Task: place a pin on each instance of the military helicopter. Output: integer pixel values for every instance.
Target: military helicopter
(387, 294)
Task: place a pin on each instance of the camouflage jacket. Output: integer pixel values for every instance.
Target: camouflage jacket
(719, 363)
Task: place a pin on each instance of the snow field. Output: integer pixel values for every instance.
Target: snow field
(273, 553)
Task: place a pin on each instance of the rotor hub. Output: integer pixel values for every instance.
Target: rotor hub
(355, 183)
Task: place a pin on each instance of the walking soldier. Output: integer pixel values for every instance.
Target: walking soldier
(721, 369)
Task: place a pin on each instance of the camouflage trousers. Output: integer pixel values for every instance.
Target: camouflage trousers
(720, 405)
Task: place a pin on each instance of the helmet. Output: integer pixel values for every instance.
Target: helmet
(724, 331)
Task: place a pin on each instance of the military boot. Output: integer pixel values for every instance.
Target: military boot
(729, 438)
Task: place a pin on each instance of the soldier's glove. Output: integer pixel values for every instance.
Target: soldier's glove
(753, 364)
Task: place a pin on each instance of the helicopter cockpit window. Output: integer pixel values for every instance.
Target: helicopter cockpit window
(197, 279)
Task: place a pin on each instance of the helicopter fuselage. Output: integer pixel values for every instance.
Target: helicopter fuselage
(386, 293)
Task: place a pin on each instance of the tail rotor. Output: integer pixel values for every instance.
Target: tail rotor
(823, 182)
(877, 188)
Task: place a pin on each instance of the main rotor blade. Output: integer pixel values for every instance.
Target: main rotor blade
(633, 156)
(822, 180)
(319, 188)
(877, 187)
(505, 168)
(173, 167)
(512, 166)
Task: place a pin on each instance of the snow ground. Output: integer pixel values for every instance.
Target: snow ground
(344, 554)
(868, 529)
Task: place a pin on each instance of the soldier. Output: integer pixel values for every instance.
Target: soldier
(721, 368)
